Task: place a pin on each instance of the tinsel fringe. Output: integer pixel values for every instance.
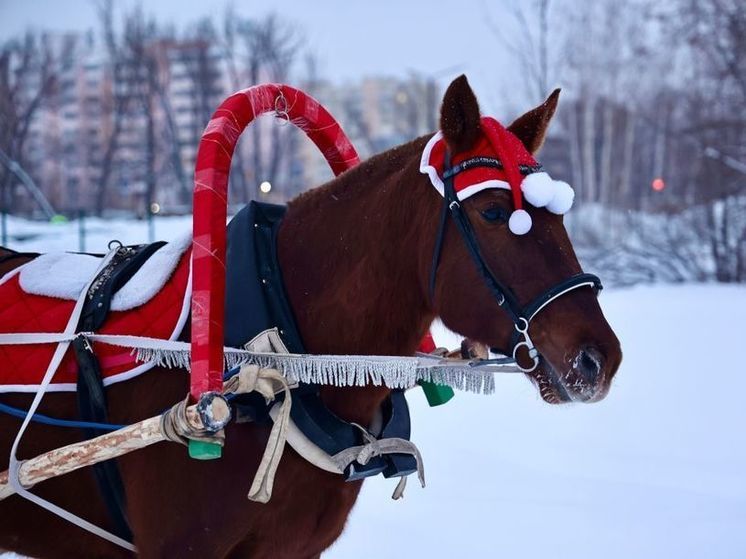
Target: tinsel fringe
(399, 372)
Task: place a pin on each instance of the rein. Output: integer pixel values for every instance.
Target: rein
(504, 296)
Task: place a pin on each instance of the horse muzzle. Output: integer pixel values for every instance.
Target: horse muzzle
(584, 375)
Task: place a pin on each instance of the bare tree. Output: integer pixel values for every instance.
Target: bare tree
(262, 50)
(29, 71)
(119, 100)
(526, 35)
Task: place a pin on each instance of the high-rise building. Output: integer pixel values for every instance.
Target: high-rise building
(123, 135)
(377, 113)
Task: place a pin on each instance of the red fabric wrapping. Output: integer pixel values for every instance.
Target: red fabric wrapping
(211, 201)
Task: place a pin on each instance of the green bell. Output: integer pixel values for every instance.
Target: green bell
(436, 394)
(202, 450)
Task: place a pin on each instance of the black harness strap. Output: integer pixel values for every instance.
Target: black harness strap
(92, 405)
(565, 286)
(452, 205)
(333, 434)
(438, 249)
(255, 301)
(591, 280)
(504, 296)
(484, 161)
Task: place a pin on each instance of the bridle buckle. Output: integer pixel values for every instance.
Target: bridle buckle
(521, 326)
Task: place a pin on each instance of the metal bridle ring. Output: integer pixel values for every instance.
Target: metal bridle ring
(523, 330)
(535, 357)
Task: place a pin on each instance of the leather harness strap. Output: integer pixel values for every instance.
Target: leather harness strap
(258, 301)
(520, 315)
(91, 396)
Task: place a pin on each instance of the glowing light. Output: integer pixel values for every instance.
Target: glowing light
(658, 184)
(155, 207)
(265, 187)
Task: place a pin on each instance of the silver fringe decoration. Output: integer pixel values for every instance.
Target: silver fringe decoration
(342, 370)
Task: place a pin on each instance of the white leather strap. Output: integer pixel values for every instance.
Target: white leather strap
(63, 342)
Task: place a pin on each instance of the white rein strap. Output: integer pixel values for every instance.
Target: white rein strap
(63, 344)
(267, 382)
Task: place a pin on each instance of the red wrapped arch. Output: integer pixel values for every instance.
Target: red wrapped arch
(211, 205)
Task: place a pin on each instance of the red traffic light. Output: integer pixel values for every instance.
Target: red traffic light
(658, 184)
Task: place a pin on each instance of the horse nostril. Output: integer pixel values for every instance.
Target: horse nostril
(589, 363)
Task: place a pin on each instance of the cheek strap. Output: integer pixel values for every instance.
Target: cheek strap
(520, 315)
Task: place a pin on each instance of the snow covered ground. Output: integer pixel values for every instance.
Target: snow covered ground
(656, 470)
(39, 236)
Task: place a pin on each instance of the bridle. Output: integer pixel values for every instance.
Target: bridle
(520, 315)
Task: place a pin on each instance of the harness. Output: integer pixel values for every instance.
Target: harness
(91, 395)
(258, 302)
(520, 315)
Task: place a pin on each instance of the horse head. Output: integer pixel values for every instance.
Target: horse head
(504, 271)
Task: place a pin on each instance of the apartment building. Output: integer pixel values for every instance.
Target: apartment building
(125, 138)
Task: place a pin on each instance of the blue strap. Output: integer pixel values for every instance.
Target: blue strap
(46, 420)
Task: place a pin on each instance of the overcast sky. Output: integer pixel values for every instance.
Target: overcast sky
(350, 38)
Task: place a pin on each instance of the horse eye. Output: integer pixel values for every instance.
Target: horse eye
(495, 213)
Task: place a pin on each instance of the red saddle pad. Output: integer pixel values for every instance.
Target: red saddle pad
(23, 366)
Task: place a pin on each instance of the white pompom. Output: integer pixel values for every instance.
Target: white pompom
(519, 222)
(563, 198)
(538, 189)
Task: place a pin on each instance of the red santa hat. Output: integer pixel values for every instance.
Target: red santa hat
(519, 172)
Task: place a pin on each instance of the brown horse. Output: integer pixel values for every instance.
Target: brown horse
(356, 256)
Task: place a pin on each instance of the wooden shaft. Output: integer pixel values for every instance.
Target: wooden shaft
(87, 453)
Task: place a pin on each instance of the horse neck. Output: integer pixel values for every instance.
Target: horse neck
(351, 254)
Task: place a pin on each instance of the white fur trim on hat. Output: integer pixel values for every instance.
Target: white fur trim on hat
(429, 170)
(563, 198)
(538, 189)
(519, 222)
(471, 190)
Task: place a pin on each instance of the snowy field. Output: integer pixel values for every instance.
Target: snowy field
(657, 470)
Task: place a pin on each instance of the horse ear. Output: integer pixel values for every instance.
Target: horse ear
(531, 128)
(459, 115)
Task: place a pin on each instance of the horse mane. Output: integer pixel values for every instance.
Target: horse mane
(362, 177)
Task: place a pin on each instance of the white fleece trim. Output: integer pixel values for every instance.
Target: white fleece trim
(429, 170)
(58, 274)
(64, 275)
(472, 189)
